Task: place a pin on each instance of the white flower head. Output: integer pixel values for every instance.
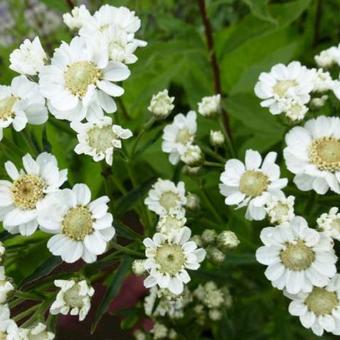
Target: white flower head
(159, 331)
(29, 58)
(293, 81)
(322, 80)
(297, 256)
(318, 102)
(313, 154)
(165, 197)
(38, 332)
(252, 184)
(82, 228)
(19, 199)
(209, 106)
(73, 298)
(280, 209)
(80, 82)
(319, 309)
(179, 135)
(329, 223)
(210, 295)
(8, 327)
(5, 286)
(138, 267)
(169, 257)
(161, 104)
(78, 17)
(170, 222)
(21, 103)
(294, 110)
(227, 240)
(328, 57)
(99, 138)
(216, 138)
(193, 201)
(192, 156)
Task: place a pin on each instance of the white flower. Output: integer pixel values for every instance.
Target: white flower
(328, 57)
(319, 309)
(295, 110)
(161, 104)
(193, 201)
(280, 209)
(2, 248)
(169, 257)
(29, 58)
(21, 103)
(79, 83)
(227, 240)
(293, 81)
(319, 101)
(99, 138)
(5, 286)
(170, 222)
(78, 17)
(159, 331)
(38, 332)
(192, 156)
(322, 80)
(209, 106)
(210, 295)
(216, 138)
(139, 335)
(336, 88)
(252, 184)
(179, 135)
(83, 228)
(8, 328)
(297, 256)
(313, 154)
(329, 223)
(138, 267)
(74, 298)
(19, 199)
(209, 236)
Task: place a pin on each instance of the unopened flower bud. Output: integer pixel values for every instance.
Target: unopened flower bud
(197, 239)
(138, 267)
(319, 102)
(215, 255)
(192, 156)
(209, 106)
(193, 201)
(139, 335)
(209, 236)
(215, 314)
(227, 240)
(216, 138)
(161, 104)
(190, 170)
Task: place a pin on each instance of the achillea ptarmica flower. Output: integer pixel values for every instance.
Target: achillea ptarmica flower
(20, 199)
(79, 83)
(295, 110)
(159, 331)
(78, 17)
(210, 106)
(21, 103)
(328, 57)
(322, 80)
(227, 240)
(83, 228)
(161, 104)
(74, 298)
(297, 256)
(8, 327)
(179, 135)
(329, 223)
(138, 267)
(216, 138)
(192, 156)
(29, 58)
(210, 295)
(313, 154)
(165, 197)
(319, 309)
(280, 209)
(170, 222)
(252, 184)
(209, 236)
(169, 257)
(99, 138)
(38, 332)
(5, 286)
(293, 81)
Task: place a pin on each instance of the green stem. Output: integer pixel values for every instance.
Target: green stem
(211, 206)
(25, 313)
(212, 153)
(147, 125)
(227, 138)
(126, 250)
(213, 164)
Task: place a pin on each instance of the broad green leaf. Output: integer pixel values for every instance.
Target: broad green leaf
(260, 9)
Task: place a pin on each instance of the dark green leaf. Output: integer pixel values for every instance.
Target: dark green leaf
(260, 9)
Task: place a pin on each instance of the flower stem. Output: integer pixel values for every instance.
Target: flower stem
(146, 126)
(126, 250)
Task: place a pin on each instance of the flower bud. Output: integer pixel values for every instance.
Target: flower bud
(192, 156)
(216, 138)
(161, 104)
(215, 255)
(138, 267)
(209, 106)
(215, 314)
(209, 236)
(227, 240)
(193, 201)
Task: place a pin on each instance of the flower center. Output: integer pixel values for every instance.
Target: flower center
(183, 136)
(325, 153)
(297, 256)
(6, 107)
(27, 191)
(282, 86)
(170, 258)
(321, 302)
(3, 336)
(72, 297)
(336, 224)
(253, 183)
(78, 223)
(79, 75)
(168, 200)
(100, 138)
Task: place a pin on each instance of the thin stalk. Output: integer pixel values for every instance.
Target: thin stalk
(146, 126)
(213, 164)
(212, 153)
(126, 250)
(211, 206)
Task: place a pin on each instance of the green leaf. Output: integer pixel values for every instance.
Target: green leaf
(112, 290)
(59, 5)
(260, 9)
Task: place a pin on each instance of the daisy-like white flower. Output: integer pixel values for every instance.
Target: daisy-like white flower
(313, 154)
(78, 17)
(21, 103)
(179, 135)
(5, 286)
(319, 309)
(209, 106)
(329, 223)
(99, 138)
(161, 104)
(280, 209)
(83, 228)
(29, 58)
(30, 186)
(165, 197)
(293, 81)
(169, 257)
(328, 57)
(297, 256)
(79, 83)
(322, 80)
(74, 298)
(38, 332)
(170, 222)
(8, 327)
(252, 184)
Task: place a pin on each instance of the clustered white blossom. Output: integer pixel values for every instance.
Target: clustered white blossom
(161, 104)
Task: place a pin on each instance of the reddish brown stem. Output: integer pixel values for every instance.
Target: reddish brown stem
(70, 3)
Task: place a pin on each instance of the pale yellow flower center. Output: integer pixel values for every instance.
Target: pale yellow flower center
(27, 191)
(282, 86)
(170, 258)
(253, 183)
(77, 223)
(183, 136)
(297, 256)
(100, 138)
(79, 75)
(321, 302)
(6, 107)
(169, 200)
(325, 153)
(72, 297)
